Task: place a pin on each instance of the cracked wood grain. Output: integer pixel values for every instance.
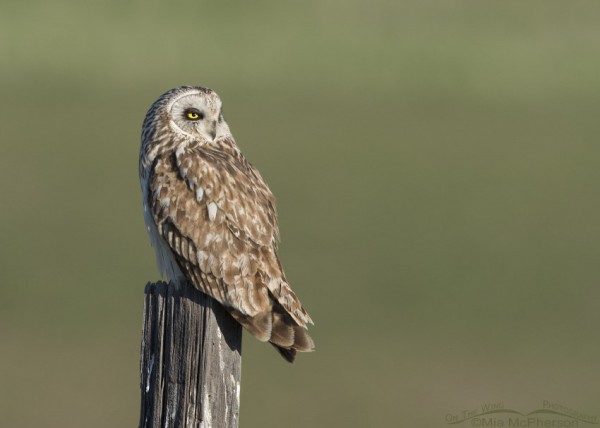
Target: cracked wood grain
(190, 360)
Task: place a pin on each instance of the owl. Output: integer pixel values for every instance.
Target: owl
(212, 219)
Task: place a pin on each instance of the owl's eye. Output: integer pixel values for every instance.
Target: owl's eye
(193, 114)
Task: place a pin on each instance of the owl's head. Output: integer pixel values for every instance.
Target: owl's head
(191, 111)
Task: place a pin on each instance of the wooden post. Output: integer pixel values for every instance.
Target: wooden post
(190, 360)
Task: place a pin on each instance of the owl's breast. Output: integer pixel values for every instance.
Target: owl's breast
(165, 259)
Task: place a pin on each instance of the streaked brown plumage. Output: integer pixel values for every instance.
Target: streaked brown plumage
(212, 218)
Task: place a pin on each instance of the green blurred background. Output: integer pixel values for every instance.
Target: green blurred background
(436, 169)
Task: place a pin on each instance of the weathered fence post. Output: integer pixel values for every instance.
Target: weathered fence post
(190, 360)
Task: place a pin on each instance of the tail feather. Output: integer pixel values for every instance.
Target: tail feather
(288, 354)
(302, 341)
(260, 325)
(282, 332)
(279, 328)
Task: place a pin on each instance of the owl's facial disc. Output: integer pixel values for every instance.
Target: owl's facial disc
(198, 116)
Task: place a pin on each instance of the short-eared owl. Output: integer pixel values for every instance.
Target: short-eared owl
(212, 219)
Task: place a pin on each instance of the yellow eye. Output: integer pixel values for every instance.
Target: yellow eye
(193, 114)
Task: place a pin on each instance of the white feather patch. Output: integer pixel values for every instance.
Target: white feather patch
(181, 149)
(199, 193)
(212, 211)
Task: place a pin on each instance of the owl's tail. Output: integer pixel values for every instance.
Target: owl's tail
(288, 337)
(277, 327)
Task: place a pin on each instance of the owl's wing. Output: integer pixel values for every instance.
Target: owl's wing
(225, 178)
(218, 217)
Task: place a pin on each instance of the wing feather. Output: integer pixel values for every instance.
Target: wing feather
(229, 254)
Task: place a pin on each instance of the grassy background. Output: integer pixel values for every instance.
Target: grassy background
(436, 168)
